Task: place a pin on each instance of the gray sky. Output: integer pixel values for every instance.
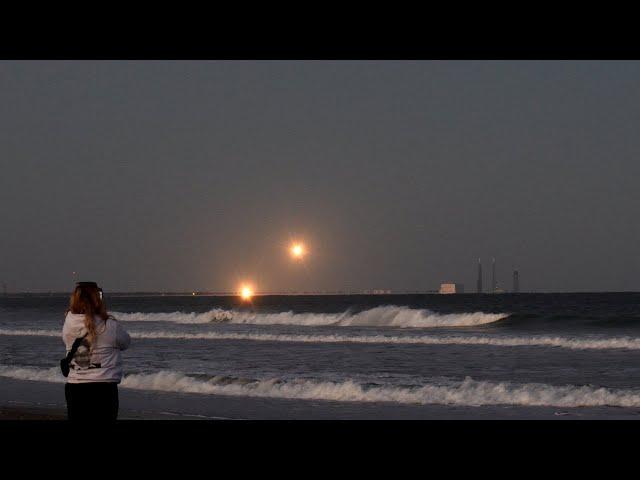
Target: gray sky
(195, 175)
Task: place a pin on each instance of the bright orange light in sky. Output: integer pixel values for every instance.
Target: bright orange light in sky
(246, 292)
(297, 250)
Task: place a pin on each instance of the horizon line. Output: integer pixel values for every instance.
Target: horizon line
(207, 293)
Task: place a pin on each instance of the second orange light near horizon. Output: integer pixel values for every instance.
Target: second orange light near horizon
(246, 292)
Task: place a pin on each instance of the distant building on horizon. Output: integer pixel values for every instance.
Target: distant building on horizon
(479, 284)
(516, 282)
(448, 288)
(381, 291)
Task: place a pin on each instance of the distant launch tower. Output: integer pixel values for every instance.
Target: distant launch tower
(516, 282)
(479, 276)
(494, 285)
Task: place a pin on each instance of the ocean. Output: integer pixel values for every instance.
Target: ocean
(423, 356)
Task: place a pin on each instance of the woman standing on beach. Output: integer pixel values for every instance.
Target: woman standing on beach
(95, 370)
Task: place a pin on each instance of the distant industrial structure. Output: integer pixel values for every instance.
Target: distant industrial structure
(448, 288)
(494, 279)
(494, 283)
(459, 288)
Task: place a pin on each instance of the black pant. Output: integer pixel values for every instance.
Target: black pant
(92, 401)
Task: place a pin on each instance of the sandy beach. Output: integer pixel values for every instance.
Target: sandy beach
(31, 413)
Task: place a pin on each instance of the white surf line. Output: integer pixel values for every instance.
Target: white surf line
(574, 344)
(30, 333)
(469, 392)
(627, 343)
(383, 316)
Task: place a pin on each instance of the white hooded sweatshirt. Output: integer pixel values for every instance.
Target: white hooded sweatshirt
(104, 362)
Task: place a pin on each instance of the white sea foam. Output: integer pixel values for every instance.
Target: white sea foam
(30, 333)
(628, 343)
(387, 316)
(547, 341)
(466, 393)
(212, 316)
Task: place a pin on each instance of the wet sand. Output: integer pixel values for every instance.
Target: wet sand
(31, 413)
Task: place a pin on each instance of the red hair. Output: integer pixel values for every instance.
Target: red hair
(85, 300)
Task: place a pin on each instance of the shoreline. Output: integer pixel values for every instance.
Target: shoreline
(37, 413)
(40, 401)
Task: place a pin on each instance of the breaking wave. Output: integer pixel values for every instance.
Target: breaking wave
(628, 343)
(466, 393)
(212, 316)
(388, 316)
